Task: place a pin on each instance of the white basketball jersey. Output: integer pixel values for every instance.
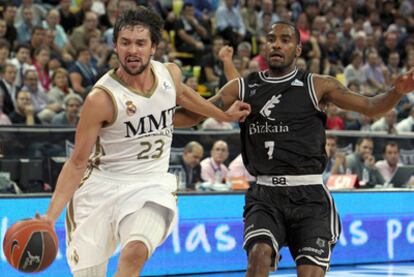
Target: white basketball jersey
(139, 140)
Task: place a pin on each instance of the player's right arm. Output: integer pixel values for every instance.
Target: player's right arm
(224, 100)
(97, 110)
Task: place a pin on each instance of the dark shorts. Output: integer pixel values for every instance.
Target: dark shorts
(304, 218)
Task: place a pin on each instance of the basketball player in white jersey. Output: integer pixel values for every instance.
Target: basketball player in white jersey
(123, 193)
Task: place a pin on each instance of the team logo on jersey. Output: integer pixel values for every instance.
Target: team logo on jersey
(253, 85)
(320, 242)
(270, 104)
(297, 83)
(166, 85)
(131, 109)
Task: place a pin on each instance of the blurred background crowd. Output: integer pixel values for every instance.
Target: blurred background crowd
(52, 52)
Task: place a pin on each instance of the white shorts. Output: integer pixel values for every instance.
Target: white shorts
(97, 208)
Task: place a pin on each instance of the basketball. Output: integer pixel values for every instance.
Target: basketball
(30, 245)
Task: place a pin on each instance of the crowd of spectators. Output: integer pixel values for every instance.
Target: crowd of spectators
(54, 48)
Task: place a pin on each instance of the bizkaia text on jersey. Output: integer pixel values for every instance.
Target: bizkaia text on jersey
(149, 124)
(263, 128)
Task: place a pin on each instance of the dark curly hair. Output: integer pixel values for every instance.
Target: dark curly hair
(140, 16)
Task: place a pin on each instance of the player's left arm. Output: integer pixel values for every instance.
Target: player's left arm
(192, 101)
(329, 89)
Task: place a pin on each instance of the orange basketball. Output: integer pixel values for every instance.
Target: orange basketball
(30, 245)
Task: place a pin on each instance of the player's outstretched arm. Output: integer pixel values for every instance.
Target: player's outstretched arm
(329, 89)
(196, 107)
(97, 109)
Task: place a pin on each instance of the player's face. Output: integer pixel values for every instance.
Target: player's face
(282, 48)
(134, 48)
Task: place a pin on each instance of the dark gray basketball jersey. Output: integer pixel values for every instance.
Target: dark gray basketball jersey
(285, 132)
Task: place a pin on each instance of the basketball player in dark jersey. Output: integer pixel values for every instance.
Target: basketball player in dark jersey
(283, 145)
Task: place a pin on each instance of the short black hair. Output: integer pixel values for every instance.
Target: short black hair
(390, 143)
(361, 139)
(297, 33)
(140, 16)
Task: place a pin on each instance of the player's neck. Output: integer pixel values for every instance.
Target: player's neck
(280, 72)
(142, 82)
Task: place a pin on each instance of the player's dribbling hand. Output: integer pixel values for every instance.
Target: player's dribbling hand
(45, 218)
(405, 83)
(238, 111)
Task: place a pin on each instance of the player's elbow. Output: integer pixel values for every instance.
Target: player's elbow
(78, 162)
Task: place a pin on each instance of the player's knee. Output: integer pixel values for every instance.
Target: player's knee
(134, 253)
(260, 255)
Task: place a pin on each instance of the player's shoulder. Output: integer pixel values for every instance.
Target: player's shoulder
(100, 96)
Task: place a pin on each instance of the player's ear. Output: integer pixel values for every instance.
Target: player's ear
(298, 50)
(153, 49)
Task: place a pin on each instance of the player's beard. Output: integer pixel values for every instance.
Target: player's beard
(136, 71)
(281, 67)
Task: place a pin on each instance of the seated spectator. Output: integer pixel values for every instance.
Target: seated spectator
(4, 119)
(244, 51)
(52, 23)
(362, 163)
(40, 62)
(250, 17)
(42, 108)
(60, 87)
(267, 10)
(78, 38)
(190, 161)
(22, 62)
(213, 169)
(24, 112)
(70, 115)
(8, 87)
(25, 27)
(67, 18)
(229, 23)
(9, 14)
(362, 122)
(98, 51)
(238, 170)
(376, 80)
(4, 52)
(83, 74)
(212, 68)
(333, 121)
(38, 11)
(391, 155)
(336, 161)
(353, 72)
(260, 58)
(387, 123)
(111, 62)
(393, 65)
(406, 125)
(190, 36)
(38, 39)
